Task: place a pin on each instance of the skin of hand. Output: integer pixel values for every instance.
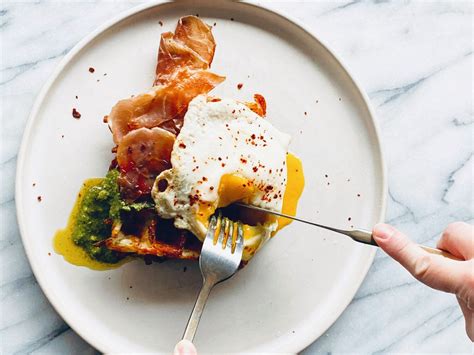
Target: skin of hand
(185, 347)
(440, 273)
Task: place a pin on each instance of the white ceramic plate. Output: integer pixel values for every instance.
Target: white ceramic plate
(302, 280)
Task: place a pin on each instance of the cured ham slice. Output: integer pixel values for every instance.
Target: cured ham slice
(259, 106)
(192, 46)
(141, 156)
(164, 106)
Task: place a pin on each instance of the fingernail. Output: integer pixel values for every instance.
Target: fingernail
(383, 231)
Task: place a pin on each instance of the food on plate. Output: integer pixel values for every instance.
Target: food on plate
(181, 154)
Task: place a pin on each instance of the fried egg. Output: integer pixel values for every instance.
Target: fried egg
(226, 153)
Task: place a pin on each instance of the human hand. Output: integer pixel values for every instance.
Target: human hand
(443, 274)
(185, 347)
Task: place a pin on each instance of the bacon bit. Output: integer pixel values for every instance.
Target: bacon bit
(160, 23)
(254, 169)
(91, 70)
(268, 188)
(182, 145)
(244, 161)
(76, 114)
(239, 86)
(253, 136)
(39, 198)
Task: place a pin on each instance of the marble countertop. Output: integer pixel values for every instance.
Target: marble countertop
(414, 59)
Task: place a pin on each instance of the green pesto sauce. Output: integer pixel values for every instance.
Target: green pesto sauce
(100, 205)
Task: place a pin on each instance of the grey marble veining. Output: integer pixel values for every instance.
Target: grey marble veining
(414, 59)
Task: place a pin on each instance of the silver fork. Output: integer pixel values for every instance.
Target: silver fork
(219, 260)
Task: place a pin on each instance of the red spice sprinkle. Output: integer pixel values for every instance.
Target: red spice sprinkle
(358, 195)
(244, 161)
(254, 169)
(253, 136)
(62, 135)
(326, 175)
(76, 114)
(34, 184)
(211, 188)
(91, 70)
(329, 184)
(223, 164)
(182, 145)
(239, 86)
(105, 119)
(39, 198)
(305, 113)
(77, 97)
(349, 218)
(275, 196)
(204, 178)
(49, 254)
(161, 23)
(215, 24)
(219, 158)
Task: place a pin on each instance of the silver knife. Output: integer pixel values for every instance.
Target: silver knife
(359, 235)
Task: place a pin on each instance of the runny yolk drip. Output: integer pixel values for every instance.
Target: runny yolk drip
(233, 188)
(293, 191)
(65, 246)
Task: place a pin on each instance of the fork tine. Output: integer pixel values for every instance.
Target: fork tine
(211, 231)
(230, 236)
(222, 232)
(218, 228)
(239, 243)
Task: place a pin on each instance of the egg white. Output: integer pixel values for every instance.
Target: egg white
(218, 138)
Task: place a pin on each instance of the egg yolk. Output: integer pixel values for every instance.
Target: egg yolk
(233, 188)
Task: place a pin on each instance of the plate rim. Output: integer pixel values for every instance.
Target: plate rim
(303, 340)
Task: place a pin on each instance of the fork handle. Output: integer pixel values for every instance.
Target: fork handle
(198, 308)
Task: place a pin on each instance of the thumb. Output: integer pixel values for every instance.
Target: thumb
(433, 270)
(185, 347)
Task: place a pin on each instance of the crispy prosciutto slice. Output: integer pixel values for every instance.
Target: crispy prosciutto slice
(164, 106)
(192, 46)
(141, 156)
(259, 106)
